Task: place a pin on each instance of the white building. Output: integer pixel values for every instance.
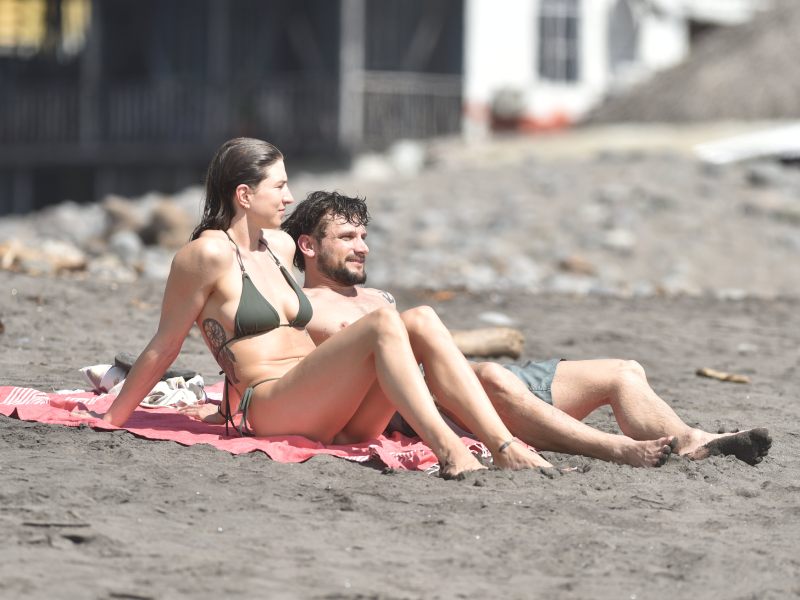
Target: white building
(537, 64)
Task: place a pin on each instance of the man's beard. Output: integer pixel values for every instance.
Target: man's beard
(340, 273)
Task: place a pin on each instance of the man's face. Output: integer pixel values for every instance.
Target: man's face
(343, 252)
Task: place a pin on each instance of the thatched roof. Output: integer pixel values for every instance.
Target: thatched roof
(746, 72)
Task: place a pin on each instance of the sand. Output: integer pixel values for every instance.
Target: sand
(88, 514)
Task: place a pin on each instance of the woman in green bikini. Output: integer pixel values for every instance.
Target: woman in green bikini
(231, 281)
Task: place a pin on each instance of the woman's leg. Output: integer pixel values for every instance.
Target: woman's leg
(371, 418)
(323, 393)
(457, 389)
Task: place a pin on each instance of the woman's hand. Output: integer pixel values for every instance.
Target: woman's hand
(207, 412)
(86, 414)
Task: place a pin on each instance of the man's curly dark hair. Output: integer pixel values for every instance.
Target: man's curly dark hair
(312, 215)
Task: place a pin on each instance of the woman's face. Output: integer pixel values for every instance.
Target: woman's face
(271, 196)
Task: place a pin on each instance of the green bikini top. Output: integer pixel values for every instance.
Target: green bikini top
(255, 314)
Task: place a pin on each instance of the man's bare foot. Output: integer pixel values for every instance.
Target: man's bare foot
(649, 453)
(516, 456)
(749, 446)
(457, 465)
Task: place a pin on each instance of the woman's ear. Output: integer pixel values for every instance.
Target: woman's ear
(243, 195)
(307, 245)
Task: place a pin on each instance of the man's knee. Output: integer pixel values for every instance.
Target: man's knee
(386, 321)
(493, 376)
(628, 373)
(421, 320)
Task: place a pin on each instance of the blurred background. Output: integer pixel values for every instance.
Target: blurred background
(604, 127)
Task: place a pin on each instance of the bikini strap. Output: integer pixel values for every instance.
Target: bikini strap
(238, 254)
(271, 253)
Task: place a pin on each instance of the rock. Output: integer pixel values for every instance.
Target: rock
(747, 348)
(156, 262)
(567, 283)
(577, 265)
(765, 174)
(614, 193)
(619, 240)
(371, 167)
(496, 318)
(124, 214)
(72, 222)
(51, 257)
(407, 157)
(127, 246)
(169, 226)
(508, 104)
(109, 267)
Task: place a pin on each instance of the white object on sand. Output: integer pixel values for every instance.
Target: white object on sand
(780, 142)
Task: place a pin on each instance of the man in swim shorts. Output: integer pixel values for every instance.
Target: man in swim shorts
(541, 403)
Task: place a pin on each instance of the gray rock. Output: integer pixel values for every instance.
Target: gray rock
(407, 157)
(75, 223)
(156, 262)
(372, 167)
(497, 319)
(765, 174)
(127, 246)
(109, 267)
(620, 240)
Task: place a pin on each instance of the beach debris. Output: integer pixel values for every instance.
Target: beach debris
(50, 257)
(490, 341)
(496, 318)
(577, 264)
(780, 142)
(722, 375)
(443, 295)
(2, 327)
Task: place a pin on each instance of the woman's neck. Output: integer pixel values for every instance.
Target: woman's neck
(245, 234)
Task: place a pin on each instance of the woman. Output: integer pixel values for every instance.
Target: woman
(230, 280)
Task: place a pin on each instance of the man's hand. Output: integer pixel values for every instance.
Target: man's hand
(207, 412)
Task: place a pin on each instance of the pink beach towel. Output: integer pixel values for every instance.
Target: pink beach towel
(397, 451)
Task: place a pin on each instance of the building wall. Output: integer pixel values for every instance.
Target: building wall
(502, 61)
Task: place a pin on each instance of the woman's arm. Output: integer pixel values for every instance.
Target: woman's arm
(193, 276)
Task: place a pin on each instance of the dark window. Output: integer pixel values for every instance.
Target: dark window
(559, 40)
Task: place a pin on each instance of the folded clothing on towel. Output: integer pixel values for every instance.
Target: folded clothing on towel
(175, 391)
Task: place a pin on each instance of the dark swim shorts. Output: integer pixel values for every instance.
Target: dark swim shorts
(538, 376)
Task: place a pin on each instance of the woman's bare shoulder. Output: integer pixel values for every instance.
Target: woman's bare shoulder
(210, 253)
(280, 242)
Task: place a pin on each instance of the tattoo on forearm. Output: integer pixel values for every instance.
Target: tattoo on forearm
(387, 296)
(215, 334)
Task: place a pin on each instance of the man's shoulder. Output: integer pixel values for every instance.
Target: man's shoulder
(381, 295)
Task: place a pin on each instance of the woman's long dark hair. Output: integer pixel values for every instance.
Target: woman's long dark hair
(240, 160)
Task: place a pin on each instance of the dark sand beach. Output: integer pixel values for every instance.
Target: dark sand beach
(90, 514)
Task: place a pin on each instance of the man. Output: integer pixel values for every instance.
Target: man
(541, 403)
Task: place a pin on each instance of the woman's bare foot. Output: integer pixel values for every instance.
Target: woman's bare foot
(749, 446)
(457, 464)
(515, 456)
(648, 453)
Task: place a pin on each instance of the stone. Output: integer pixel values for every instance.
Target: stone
(407, 157)
(127, 246)
(123, 213)
(169, 226)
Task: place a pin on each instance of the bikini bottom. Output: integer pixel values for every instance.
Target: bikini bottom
(244, 406)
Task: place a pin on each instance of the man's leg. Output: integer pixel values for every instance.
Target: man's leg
(547, 428)
(580, 387)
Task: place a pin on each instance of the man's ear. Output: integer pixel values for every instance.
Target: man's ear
(307, 245)
(243, 195)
